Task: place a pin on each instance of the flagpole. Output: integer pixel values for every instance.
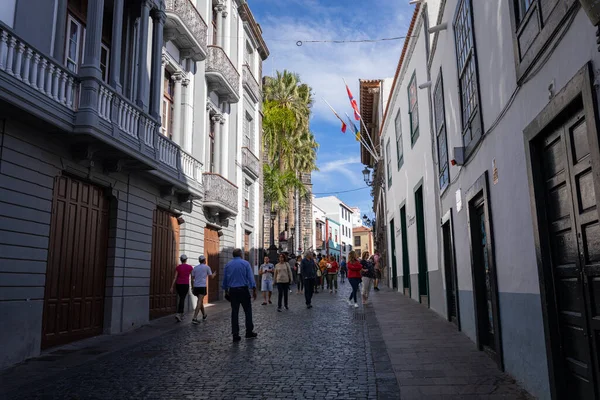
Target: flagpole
(363, 123)
(367, 146)
(361, 140)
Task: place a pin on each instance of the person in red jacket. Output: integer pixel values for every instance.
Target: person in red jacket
(332, 271)
(354, 276)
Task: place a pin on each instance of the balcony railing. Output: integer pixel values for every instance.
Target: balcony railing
(250, 163)
(40, 73)
(251, 84)
(36, 83)
(221, 73)
(220, 194)
(187, 27)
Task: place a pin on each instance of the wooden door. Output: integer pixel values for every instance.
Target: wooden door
(165, 257)
(393, 245)
(421, 246)
(75, 275)
(571, 212)
(405, 259)
(211, 251)
(247, 247)
(450, 273)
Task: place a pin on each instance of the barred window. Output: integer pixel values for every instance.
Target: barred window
(399, 147)
(440, 130)
(467, 75)
(413, 111)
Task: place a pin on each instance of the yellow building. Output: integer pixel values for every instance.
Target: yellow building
(362, 240)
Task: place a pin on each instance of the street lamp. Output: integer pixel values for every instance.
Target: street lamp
(366, 220)
(272, 247)
(367, 176)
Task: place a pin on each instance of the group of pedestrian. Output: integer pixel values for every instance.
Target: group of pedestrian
(240, 287)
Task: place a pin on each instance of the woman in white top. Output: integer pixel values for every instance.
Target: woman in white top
(200, 273)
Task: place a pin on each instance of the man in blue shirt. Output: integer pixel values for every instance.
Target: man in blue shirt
(238, 278)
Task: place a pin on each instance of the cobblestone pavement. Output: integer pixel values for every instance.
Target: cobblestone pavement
(320, 353)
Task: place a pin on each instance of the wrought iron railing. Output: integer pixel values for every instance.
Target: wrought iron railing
(191, 18)
(219, 62)
(251, 83)
(220, 192)
(250, 162)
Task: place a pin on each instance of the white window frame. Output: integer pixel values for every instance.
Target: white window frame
(106, 63)
(80, 42)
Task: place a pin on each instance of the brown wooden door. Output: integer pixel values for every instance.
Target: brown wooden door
(247, 247)
(211, 250)
(75, 276)
(165, 255)
(574, 235)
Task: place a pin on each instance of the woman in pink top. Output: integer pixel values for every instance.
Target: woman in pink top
(181, 281)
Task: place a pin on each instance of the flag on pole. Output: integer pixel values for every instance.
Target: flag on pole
(344, 126)
(352, 103)
(354, 129)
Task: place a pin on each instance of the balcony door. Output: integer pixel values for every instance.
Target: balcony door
(167, 106)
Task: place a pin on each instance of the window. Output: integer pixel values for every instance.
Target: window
(467, 76)
(399, 147)
(74, 44)
(440, 129)
(167, 106)
(249, 56)
(104, 61)
(357, 241)
(389, 163)
(521, 8)
(413, 109)
(211, 155)
(247, 216)
(248, 131)
(336, 236)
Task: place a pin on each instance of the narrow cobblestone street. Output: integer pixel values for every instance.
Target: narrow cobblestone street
(332, 351)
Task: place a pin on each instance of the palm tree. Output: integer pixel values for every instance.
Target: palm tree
(277, 186)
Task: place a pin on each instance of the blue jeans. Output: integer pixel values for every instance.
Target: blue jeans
(354, 282)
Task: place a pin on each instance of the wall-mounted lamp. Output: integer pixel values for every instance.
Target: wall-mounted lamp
(425, 85)
(459, 156)
(437, 28)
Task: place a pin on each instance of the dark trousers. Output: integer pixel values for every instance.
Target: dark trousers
(240, 296)
(300, 283)
(309, 285)
(182, 291)
(343, 275)
(354, 282)
(282, 291)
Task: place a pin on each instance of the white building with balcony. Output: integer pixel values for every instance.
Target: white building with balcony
(129, 134)
(335, 209)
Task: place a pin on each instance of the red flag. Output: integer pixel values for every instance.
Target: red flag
(353, 104)
(338, 117)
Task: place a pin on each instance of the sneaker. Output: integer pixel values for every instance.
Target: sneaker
(287, 308)
(270, 302)
(204, 316)
(376, 289)
(350, 302)
(264, 303)
(355, 305)
(251, 335)
(237, 338)
(309, 306)
(278, 309)
(195, 321)
(178, 317)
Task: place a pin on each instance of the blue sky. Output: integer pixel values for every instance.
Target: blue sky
(323, 65)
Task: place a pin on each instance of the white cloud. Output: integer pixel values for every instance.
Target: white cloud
(342, 166)
(323, 65)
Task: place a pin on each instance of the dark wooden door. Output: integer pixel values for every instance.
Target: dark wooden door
(247, 247)
(574, 234)
(165, 254)
(450, 273)
(483, 276)
(211, 250)
(75, 276)
(405, 259)
(393, 245)
(421, 249)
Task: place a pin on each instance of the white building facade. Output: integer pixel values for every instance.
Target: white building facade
(335, 209)
(134, 141)
(503, 96)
